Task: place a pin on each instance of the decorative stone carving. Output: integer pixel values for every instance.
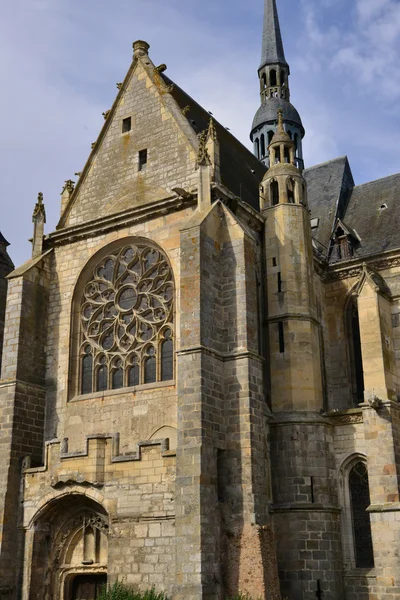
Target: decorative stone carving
(203, 158)
(39, 210)
(127, 310)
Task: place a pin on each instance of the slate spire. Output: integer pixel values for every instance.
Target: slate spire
(272, 46)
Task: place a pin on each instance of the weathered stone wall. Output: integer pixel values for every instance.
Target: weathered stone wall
(6, 266)
(22, 406)
(307, 515)
(113, 182)
(137, 495)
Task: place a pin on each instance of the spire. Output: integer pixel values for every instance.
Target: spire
(272, 46)
(273, 75)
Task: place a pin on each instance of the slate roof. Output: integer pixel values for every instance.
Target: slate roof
(328, 186)
(378, 227)
(241, 171)
(267, 113)
(3, 240)
(272, 46)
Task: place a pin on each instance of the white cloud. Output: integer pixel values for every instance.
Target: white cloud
(59, 62)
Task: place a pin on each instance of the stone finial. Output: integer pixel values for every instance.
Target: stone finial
(140, 48)
(212, 132)
(119, 85)
(69, 186)
(203, 157)
(39, 219)
(39, 211)
(67, 191)
(106, 114)
(280, 121)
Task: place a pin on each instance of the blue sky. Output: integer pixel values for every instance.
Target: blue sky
(60, 60)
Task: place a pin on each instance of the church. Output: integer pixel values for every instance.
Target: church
(200, 366)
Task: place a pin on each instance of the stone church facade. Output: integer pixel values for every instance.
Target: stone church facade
(200, 366)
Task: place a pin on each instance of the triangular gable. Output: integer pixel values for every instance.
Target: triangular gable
(111, 181)
(346, 229)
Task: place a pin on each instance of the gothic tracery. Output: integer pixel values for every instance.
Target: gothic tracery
(126, 318)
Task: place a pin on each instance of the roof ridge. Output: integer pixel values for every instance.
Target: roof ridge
(227, 131)
(327, 162)
(376, 180)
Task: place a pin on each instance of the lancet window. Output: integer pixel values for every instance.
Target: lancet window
(126, 321)
(360, 500)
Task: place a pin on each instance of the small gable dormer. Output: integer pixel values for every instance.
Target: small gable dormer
(344, 241)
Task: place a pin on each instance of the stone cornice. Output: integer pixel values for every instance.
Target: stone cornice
(298, 418)
(222, 356)
(304, 507)
(346, 417)
(126, 218)
(354, 267)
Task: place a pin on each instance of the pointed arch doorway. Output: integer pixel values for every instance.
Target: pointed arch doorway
(73, 536)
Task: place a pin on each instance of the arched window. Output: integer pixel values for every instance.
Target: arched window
(274, 193)
(125, 310)
(282, 77)
(87, 371)
(264, 81)
(167, 356)
(290, 190)
(272, 78)
(262, 139)
(150, 366)
(133, 371)
(257, 142)
(101, 374)
(287, 154)
(360, 500)
(117, 374)
(296, 143)
(354, 342)
(270, 136)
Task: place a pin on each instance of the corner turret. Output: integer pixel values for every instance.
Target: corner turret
(274, 74)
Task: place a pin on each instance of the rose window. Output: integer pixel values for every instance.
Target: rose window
(127, 321)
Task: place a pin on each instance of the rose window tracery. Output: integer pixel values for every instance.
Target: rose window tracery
(126, 318)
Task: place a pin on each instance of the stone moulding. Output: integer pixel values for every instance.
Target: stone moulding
(355, 268)
(116, 457)
(350, 417)
(152, 210)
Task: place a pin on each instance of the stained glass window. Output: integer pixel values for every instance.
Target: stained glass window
(360, 500)
(167, 363)
(127, 307)
(87, 371)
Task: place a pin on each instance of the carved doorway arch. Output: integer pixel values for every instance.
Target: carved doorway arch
(70, 551)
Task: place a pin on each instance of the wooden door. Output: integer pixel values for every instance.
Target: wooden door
(87, 587)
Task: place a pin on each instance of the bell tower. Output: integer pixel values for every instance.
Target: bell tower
(273, 74)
